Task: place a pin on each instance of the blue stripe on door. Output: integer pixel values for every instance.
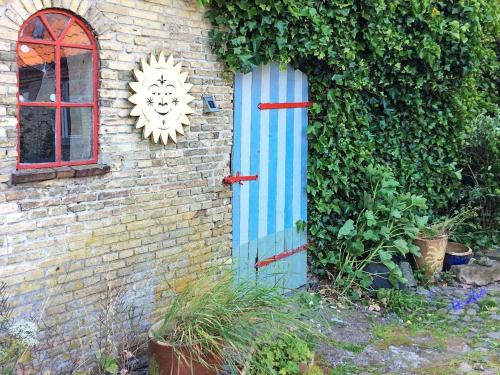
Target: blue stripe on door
(273, 151)
(254, 154)
(264, 153)
(289, 151)
(303, 179)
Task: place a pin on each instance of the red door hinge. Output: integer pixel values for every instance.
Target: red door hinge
(286, 254)
(239, 179)
(285, 105)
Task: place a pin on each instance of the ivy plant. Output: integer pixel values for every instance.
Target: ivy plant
(393, 82)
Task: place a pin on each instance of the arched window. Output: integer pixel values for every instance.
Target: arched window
(57, 96)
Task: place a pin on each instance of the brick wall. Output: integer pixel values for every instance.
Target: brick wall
(162, 212)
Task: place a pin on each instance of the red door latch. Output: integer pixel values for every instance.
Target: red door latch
(239, 179)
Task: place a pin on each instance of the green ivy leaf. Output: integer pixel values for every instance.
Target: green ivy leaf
(347, 229)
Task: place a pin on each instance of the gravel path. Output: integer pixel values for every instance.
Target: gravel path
(458, 334)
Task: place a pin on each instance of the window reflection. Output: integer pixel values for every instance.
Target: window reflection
(76, 75)
(37, 133)
(35, 29)
(37, 72)
(77, 132)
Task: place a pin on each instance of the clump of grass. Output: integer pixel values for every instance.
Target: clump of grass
(404, 304)
(488, 304)
(214, 316)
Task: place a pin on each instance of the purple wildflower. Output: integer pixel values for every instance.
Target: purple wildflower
(456, 305)
(473, 297)
(429, 296)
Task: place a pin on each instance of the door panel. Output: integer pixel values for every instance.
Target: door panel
(273, 145)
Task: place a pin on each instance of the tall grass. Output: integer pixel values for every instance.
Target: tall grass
(214, 316)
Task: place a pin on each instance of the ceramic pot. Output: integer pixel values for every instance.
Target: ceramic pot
(432, 252)
(380, 276)
(456, 254)
(177, 361)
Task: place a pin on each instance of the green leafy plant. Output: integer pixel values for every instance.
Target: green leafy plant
(392, 82)
(382, 231)
(280, 355)
(108, 365)
(402, 303)
(216, 316)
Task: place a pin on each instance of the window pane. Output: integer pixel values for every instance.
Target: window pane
(37, 77)
(77, 81)
(77, 133)
(37, 125)
(35, 29)
(76, 35)
(57, 22)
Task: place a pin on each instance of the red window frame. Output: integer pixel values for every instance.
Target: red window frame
(58, 103)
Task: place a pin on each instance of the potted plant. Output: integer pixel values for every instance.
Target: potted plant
(433, 239)
(214, 322)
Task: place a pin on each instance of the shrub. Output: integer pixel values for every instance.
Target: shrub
(480, 183)
(392, 82)
(381, 232)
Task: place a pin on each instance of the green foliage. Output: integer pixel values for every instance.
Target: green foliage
(381, 232)
(448, 225)
(393, 82)
(346, 369)
(108, 365)
(280, 355)
(480, 184)
(402, 303)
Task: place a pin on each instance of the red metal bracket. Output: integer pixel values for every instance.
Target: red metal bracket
(280, 256)
(239, 179)
(262, 106)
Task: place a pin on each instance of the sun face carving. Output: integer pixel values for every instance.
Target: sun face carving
(161, 99)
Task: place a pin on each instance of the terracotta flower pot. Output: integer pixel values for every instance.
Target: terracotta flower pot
(177, 361)
(432, 253)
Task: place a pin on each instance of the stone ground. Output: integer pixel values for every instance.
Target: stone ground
(459, 333)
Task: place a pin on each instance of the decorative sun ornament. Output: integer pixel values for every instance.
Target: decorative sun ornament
(161, 98)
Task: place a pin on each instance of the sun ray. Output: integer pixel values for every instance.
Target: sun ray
(152, 61)
(161, 59)
(139, 75)
(136, 86)
(136, 99)
(141, 122)
(145, 66)
(164, 137)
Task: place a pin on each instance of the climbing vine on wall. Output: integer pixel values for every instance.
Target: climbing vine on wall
(393, 82)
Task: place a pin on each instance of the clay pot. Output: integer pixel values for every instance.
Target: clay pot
(178, 361)
(456, 254)
(432, 253)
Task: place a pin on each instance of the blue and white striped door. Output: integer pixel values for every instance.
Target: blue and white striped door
(271, 144)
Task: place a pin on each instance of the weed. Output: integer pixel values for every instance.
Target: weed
(346, 369)
(488, 304)
(279, 355)
(350, 347)
(404, 304)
